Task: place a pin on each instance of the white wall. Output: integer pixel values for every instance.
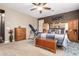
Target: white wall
(14, 19)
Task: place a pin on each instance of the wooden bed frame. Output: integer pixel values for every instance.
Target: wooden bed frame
(46, 43)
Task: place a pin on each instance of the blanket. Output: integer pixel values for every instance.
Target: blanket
(62, 39)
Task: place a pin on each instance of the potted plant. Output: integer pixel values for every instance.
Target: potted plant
(11, 35)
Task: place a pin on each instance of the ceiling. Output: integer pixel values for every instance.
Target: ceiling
(57, 7)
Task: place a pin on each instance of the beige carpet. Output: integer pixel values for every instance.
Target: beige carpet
(21, 48)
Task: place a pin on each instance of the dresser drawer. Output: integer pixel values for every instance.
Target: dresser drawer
(20, 34)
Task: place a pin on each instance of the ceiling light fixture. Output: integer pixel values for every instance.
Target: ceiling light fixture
(40, 7)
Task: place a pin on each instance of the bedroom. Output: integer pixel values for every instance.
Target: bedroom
(54, 20)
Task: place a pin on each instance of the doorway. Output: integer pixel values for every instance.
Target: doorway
(2, 26)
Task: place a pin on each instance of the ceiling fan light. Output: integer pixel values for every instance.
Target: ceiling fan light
(39, 8)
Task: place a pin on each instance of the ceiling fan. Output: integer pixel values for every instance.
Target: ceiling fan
(40, 7)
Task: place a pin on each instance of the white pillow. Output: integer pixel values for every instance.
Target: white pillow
(59, 36)
(43, 35)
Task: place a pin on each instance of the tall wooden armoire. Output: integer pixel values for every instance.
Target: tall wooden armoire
(73, 30)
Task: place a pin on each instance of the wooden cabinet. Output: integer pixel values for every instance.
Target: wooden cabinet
(20, 34)
(73, 30)
(73, 24)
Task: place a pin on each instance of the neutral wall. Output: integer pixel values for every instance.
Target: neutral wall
(14, 19)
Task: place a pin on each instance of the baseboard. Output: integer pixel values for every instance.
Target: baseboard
(6, 42)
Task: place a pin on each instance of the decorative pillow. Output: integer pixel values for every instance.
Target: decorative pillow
(59, 36)
(50, 36)
(43, 35)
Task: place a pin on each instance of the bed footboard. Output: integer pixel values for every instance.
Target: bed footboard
(47, 43)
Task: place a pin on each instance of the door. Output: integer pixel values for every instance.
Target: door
(41, 25)
(73, 30)
(2, 29)
(45, 27)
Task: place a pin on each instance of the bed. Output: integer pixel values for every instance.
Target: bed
(62, 39)
(21, 48)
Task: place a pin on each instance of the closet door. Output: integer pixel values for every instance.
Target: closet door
(73, 30)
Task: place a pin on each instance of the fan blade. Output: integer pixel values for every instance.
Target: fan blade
(33, 9)
(44, 4)
(34, 3)
(47, 8)
(40, 11)
(39, 4)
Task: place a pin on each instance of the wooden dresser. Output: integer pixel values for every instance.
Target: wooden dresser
(20, 34)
